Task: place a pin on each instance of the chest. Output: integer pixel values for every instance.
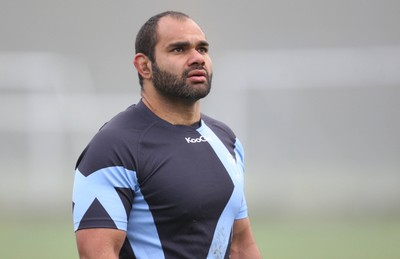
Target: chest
(183, 175)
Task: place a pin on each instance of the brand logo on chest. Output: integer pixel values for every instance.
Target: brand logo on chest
(197, 140)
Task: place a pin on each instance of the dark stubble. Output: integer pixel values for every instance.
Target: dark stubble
(173, 86)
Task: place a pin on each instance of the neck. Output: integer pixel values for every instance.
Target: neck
(176, 112)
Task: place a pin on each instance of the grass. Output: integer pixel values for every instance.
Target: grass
(20, 239)
(333, 239)
(277, 239)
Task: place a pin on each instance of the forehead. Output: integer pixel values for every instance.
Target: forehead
(171, 30)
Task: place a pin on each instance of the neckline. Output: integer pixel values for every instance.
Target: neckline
(195, 126)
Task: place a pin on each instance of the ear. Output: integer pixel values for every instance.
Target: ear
(143, 65)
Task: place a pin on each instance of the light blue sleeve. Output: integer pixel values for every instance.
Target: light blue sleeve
(239, 151)
(96, 195)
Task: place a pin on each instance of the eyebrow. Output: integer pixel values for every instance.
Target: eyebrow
(185, 44)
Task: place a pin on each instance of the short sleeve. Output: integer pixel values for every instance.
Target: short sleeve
(104, 190)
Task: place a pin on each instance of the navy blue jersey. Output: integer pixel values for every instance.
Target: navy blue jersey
(175, 190)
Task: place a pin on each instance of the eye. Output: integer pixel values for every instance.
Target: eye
(202, 50)
(177, 50)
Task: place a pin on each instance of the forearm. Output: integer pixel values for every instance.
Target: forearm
(99, 243)
(249, 252)
(243, 243)
(106, 255)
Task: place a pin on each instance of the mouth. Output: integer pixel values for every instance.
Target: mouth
(197, 75)
(197, 72)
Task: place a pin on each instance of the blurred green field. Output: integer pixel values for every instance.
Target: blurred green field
(277, 239)
(329, 239)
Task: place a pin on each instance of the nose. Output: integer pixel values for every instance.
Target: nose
(196, 58)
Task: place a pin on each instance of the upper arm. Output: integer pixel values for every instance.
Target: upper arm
(98, 243)
(103, 193)
(243, 242)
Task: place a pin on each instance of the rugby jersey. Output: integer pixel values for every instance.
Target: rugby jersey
(176, 190)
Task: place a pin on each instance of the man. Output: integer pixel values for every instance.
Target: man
(162, 180)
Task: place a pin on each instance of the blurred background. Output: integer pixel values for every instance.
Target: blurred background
(311, 87)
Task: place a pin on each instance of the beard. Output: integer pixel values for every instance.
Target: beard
(173, 86)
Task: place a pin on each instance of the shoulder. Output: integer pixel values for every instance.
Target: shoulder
(226, 135)
(218, 126)
(115, 143)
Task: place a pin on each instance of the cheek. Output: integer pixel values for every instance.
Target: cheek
(209, 66)
(171, 67)
(208, 61)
